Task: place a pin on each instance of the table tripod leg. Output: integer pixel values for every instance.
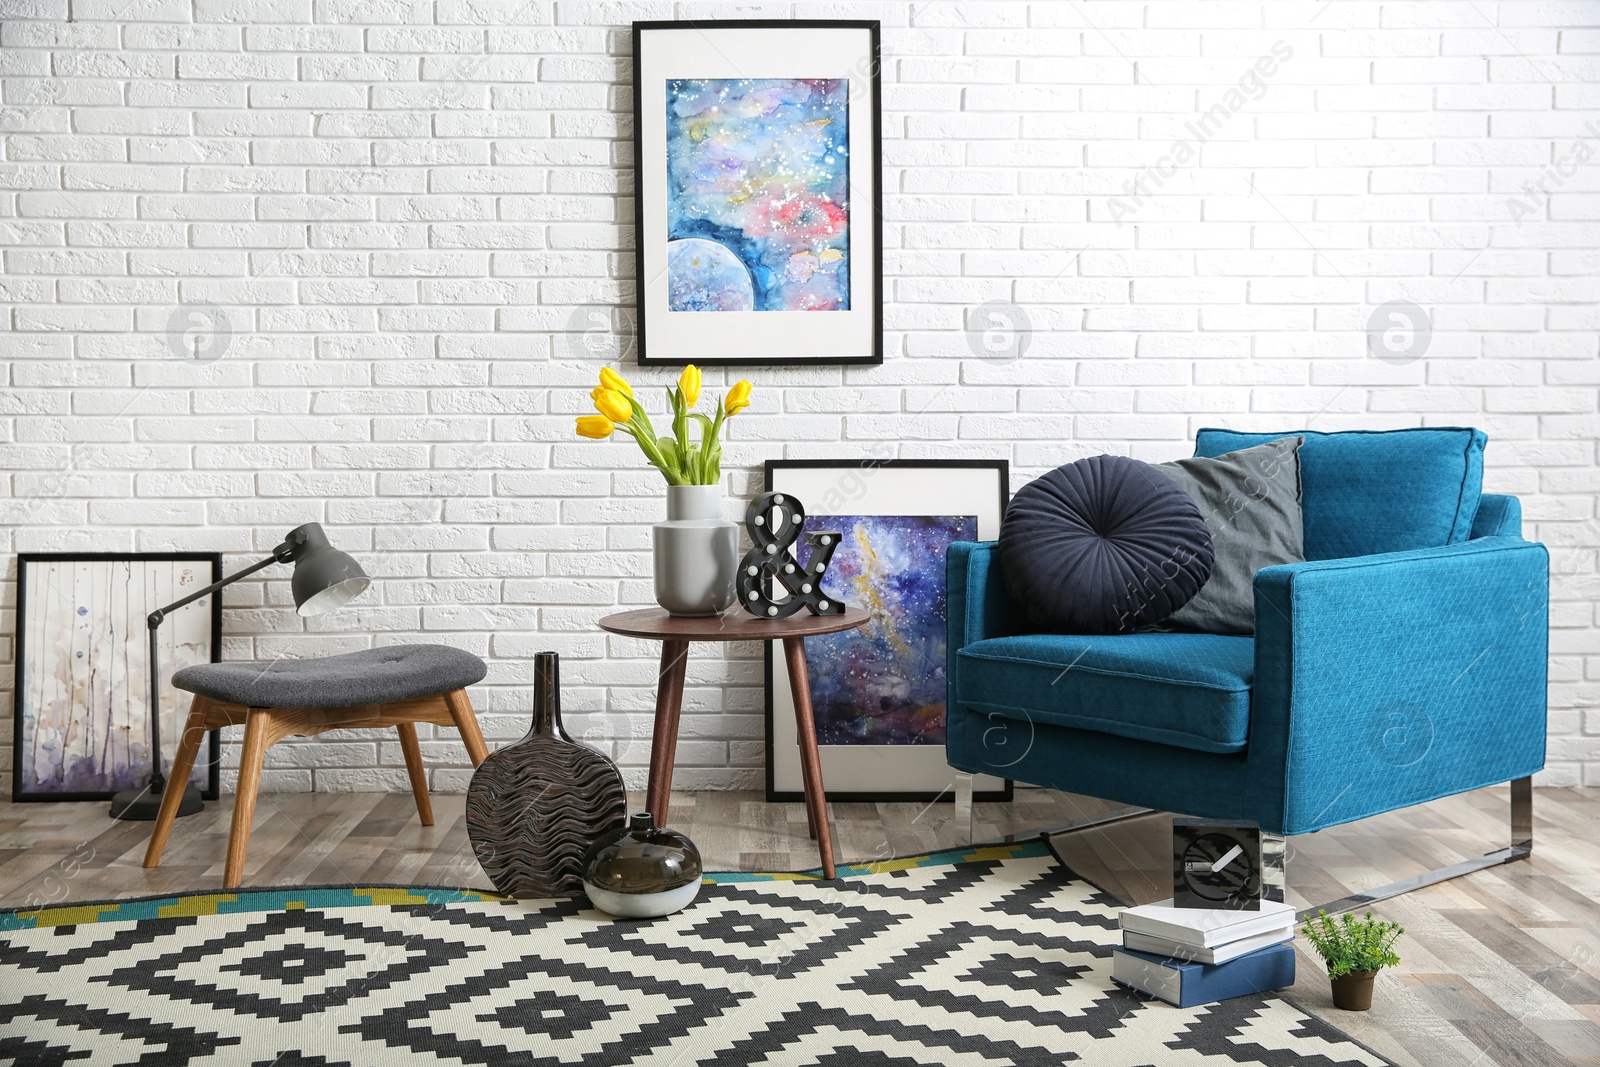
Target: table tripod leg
(664, 737)
(794, 653)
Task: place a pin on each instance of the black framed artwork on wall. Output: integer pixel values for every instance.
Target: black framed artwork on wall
(758, 211)
(81, 701)
(878, 692)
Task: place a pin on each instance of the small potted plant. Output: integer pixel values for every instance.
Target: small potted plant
(696, 550)
(1355, 950)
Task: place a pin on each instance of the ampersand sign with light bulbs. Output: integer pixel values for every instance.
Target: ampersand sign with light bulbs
(775, 522)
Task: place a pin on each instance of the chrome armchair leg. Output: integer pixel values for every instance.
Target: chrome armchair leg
(1088, 822)
(1522, 817)
(1521, 848)
(962, 816)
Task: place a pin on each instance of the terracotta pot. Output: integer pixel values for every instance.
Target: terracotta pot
(1353, 992)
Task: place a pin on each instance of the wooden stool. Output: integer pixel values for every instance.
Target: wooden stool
(398, 686)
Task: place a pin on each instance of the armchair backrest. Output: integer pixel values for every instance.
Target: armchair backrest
(1368, 491)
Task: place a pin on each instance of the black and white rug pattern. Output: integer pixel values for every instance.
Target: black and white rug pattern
(985, 957)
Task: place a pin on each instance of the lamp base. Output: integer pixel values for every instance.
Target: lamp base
(141, 804)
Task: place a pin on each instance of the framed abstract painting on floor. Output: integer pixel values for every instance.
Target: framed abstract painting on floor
(757, 201)
(82, 696)
(878, 692)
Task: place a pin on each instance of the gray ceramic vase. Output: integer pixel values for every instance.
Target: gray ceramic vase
(696, 552)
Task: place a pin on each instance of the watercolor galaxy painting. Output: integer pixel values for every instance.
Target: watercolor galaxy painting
(758, 206)
(83, 712)
(883, 684)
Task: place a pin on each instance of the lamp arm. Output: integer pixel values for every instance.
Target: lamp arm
(279, 555)
(158, 780)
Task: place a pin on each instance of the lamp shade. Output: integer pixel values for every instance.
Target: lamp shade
(324, 578)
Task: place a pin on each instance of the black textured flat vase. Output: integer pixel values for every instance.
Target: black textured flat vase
(641, 871)
(536, 808)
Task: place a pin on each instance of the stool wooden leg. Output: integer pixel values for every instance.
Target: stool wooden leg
(194, 734)
(467, 723)
(419, 777)
(244, 801)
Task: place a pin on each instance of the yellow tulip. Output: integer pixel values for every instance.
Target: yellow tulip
(689, 383)
(597, 427)
(613, 405)
(610, 379)
(738, 397)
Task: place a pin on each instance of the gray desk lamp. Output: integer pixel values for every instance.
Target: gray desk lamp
(324, 579)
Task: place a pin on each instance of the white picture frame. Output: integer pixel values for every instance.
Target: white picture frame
(852, 772)
(81, 726)
(769, 330)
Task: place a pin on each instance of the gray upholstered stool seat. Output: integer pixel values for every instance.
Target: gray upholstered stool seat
(398, 686)
(371, 676)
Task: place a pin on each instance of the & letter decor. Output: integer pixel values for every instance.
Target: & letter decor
(774, 522)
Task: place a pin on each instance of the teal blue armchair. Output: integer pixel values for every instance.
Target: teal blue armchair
(1405, 660)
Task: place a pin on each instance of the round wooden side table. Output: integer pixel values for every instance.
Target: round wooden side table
(676, 634)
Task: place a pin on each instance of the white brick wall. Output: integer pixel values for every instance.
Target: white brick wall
(401, 205)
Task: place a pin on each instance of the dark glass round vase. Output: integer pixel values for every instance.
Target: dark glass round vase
(641, 871)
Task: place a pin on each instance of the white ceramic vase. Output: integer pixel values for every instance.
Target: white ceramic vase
(696, 552)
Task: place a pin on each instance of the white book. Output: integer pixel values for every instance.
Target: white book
(1162, 946)
(1207, 927)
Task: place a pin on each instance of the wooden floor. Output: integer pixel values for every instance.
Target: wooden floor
(1500, 967)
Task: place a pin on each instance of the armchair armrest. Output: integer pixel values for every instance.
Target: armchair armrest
(1392, 679)
(977, 603)
(1498, 516)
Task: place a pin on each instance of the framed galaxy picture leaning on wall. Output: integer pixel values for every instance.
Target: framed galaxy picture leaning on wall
(756, 164)
(82, 728)
(878, 692)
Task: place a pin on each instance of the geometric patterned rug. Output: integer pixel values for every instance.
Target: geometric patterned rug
(985, 956)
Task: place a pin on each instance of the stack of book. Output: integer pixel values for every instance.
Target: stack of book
(1191, 956)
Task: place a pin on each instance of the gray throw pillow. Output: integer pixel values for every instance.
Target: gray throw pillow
(1250, 500)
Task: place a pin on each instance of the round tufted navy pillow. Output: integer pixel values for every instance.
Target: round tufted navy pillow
(1105, 545)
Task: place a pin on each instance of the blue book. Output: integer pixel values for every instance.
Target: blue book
(1188, 984)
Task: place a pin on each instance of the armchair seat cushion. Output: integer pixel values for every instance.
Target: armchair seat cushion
(1188, 690)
